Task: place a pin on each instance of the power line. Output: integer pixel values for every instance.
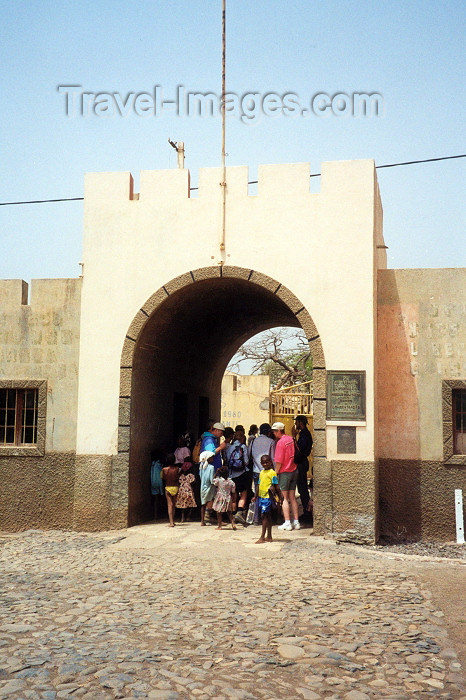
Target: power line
(44, 201)
(427, 160)
(390, 165)
(252, 182)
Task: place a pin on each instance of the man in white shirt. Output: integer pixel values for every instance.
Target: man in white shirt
(263, 444)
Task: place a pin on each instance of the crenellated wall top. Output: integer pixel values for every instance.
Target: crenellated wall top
(169, 186)
(50, 293)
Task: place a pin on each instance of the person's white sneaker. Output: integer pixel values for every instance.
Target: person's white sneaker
(285, 526)
(296, 525)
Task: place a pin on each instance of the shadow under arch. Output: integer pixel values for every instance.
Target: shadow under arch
(176, 351)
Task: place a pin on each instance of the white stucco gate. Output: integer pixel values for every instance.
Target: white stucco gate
(158, 297)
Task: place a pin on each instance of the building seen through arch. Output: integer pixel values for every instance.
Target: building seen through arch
(96, 372)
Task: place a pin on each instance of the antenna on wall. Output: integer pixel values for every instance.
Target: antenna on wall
(179, 148)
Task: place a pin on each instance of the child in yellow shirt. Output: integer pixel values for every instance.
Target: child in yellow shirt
(267, 489)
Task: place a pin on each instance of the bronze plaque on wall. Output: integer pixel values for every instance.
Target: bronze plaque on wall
(346, 395)
(346, 440)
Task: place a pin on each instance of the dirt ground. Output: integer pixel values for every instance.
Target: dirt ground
(448, 588)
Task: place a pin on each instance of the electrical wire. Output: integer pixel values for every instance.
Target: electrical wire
(44, 201)
(252, 182)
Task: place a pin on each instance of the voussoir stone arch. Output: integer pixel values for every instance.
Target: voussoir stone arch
(190, 278)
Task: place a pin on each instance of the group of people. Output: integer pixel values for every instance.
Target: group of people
(225, 468)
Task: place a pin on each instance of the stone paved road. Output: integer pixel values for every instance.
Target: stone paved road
(195, 613)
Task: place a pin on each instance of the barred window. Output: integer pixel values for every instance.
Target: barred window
(18, 417)
(454, 421)
(459, 421)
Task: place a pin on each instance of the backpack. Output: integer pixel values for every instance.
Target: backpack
(197, 451)
(236, 459)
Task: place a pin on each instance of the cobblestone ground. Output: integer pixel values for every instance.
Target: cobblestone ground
(193, 612)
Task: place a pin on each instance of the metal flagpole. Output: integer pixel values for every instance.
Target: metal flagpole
(223, 184)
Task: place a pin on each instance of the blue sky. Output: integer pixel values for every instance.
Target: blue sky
(411, 53)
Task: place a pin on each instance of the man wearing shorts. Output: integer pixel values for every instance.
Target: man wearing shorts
(287, 476)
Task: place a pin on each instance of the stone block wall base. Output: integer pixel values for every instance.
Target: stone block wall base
(118, 519)
(356, 528)
(322, 475)
(345, 500)
(417, 499)
(119, 495)
(37, 492)
(92, 492)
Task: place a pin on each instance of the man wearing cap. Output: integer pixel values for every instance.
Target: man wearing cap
(303, 437)
(213, 441)
(261, 445)
(287, 476)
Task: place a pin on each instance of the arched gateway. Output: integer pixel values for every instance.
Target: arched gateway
(175, 354)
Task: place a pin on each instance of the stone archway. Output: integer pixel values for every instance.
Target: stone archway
(179, 343)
